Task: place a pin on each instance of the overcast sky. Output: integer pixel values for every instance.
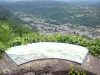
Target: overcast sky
(48, 0)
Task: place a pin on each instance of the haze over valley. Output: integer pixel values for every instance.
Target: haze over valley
(59, 17)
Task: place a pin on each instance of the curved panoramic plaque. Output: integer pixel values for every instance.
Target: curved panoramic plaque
(25, 53)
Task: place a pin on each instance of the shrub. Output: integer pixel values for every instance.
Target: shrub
(0, 70)
(92, 45)
(2, 49)
(74, 71)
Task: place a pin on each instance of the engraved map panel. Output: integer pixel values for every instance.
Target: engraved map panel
(41, 50)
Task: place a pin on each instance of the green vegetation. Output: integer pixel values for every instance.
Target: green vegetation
(92, 45)
(9, 30)
(4, 14)
(13, 35)
(74, 71)
(0, 70)
(61, 12)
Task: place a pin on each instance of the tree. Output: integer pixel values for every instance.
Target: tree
(6, 33)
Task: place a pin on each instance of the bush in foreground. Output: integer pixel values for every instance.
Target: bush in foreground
(92, 45)
(9, 38)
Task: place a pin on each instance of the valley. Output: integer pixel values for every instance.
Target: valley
(59, 17)
(39, 24)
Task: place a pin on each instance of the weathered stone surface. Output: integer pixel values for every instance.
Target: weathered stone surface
(7, 65)
(92, 64)
(30, 73)
(49, 66)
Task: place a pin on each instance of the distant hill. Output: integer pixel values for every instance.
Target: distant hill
(4, 14)
(59, 12)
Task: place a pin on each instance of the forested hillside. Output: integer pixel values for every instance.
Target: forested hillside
(59, 13)
(10, 27)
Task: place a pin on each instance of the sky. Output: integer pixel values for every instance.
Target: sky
(47, 0)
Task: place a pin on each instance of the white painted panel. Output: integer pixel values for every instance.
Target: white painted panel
(41, 50)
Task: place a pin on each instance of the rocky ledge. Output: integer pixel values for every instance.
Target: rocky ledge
(49, 67)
